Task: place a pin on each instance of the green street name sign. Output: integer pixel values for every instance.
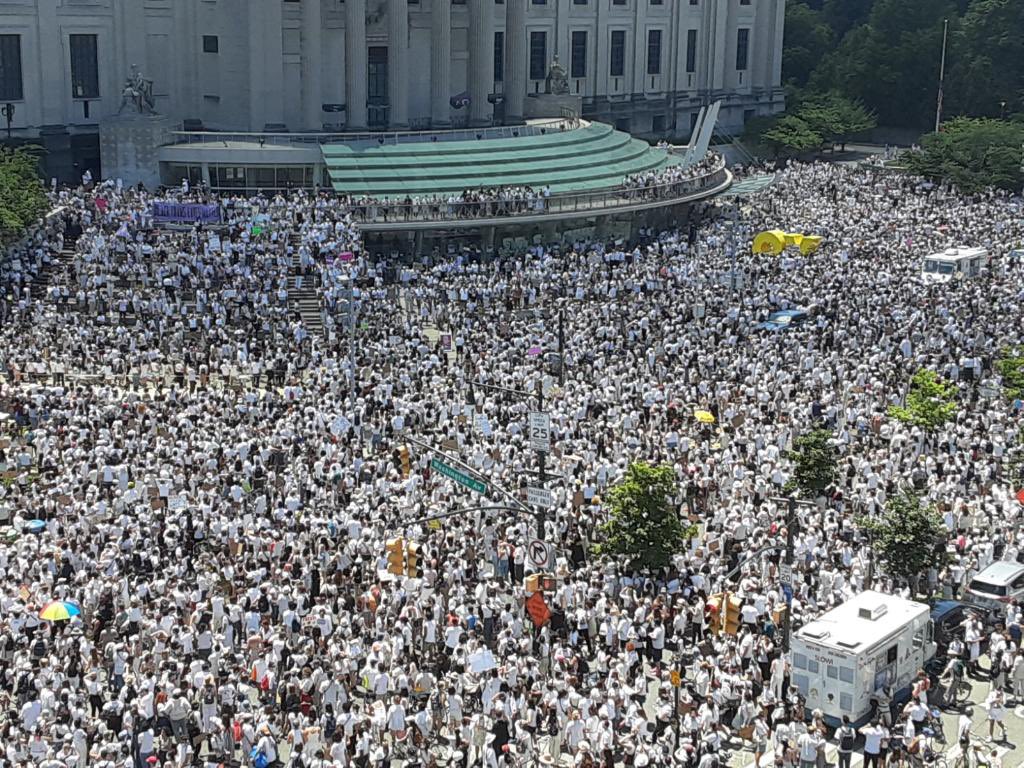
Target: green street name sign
(459, 477)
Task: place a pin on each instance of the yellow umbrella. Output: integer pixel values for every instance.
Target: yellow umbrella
(704, 417)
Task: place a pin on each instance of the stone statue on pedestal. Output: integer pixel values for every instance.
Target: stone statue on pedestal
(138, 93)
(557, 83)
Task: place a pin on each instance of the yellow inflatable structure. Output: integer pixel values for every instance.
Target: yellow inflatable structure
(775, 241)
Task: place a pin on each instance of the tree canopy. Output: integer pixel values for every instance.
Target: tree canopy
(814, 463)
(930, 402)
(22, 197)
(812, 123)
(908, 536)
(643, 525)
(973, 154)
(886, 54)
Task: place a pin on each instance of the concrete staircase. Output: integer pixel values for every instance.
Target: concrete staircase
(305, 299)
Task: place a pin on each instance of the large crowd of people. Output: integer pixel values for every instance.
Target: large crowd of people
(209, 488)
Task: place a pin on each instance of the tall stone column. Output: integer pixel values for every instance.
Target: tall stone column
(398, 63)
(266, 64)
(441, 63)
(355, 65)
(515, 60)
(481, 62)
(312, 65)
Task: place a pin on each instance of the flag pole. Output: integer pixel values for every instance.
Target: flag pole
(942, 75)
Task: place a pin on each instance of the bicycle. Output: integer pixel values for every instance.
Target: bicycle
(964, 759)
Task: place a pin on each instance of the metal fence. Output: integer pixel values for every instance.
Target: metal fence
(382, 212)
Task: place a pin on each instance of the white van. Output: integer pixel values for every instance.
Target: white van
(869, 642)
(1001, 582)
(954, 262)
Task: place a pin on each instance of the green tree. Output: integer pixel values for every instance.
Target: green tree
(908, 537)
(643, 526)
(974, 154)
(930, 403)
(807, 39)
(836, 117)
(891, 63)
(1011, 368)
(987, 60)
(23, 200)
(844, 15)
(814, 464)
(792, 135)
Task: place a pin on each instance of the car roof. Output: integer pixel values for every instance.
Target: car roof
(941, 608)
(1001, 572)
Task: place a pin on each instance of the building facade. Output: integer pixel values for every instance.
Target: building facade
(646, 66)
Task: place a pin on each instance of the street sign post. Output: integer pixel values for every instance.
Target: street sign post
(540, 431)
(459, 477)
(540, 497)
(538, 554)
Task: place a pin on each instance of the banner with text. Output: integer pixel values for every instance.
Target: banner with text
(187, 213)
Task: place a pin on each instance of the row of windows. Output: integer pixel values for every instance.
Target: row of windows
(617, 53)
(85, 82)
(85, 72)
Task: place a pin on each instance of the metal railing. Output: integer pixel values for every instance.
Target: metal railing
(391, 212)
(376, 138)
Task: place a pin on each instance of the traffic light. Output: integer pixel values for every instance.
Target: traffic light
(403, 454)
(714, 609)
(732, 614)
(413, 561)
(396, 556)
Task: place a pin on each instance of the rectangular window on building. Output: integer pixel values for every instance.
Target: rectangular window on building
(657, 2)
(211, 44)
(499, 57)
(538, 55)
(540, 2)
(579, 2)
(618, 2)
(744, 2)
(654, 52)
(617, 60)
(691, 50)
(742, 49)
(11, 88)
(85, 73)
(578, 65)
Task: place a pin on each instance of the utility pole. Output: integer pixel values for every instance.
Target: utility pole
(561, 347)
(541, 469)
(787, 621)
(942, 75)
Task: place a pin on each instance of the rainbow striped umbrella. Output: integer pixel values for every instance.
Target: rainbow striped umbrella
(59, 610)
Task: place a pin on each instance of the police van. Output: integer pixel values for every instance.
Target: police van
(869, 643)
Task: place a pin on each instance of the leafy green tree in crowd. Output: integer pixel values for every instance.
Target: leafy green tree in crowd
(22, 198)
(987, 60)
(814, 464)
(930, 402)
(973, 154)
(643, 525)
(908, 537)
(807, 39)
(1011, 367)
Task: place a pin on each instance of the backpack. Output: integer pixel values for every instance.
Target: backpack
(847, 738)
